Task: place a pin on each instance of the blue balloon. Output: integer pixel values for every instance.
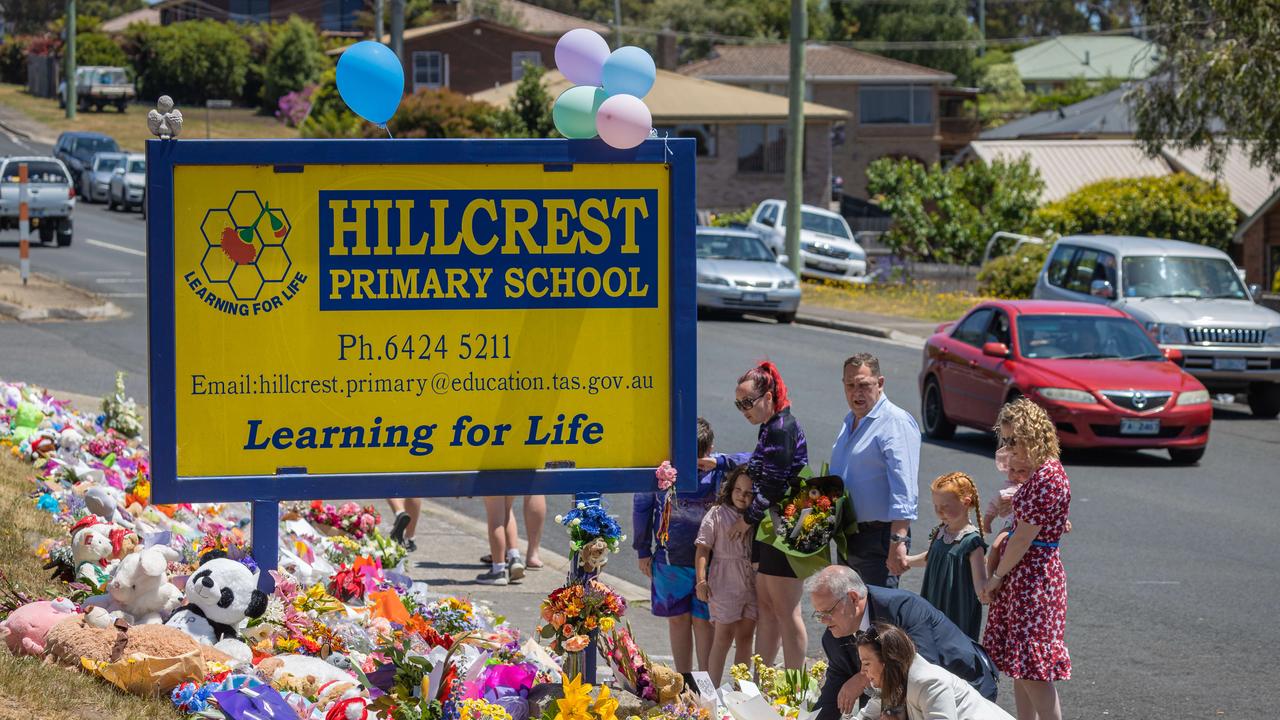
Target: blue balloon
(628, 71)
(371, 81)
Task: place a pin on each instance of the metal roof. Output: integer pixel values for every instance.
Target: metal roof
(679, 98)
(1105, 114)
(1068, 165)
(1092, 57)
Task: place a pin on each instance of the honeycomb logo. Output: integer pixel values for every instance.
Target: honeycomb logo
(245, 246)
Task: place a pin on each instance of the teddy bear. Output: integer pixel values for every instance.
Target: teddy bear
(139, 591)
(220, 595)
(74, 638)
(27, 627)
(301, 671)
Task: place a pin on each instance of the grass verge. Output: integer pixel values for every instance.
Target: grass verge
(919, 300)
(29, 689)
(130, 127)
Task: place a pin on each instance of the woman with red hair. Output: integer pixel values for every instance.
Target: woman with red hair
(774, 466)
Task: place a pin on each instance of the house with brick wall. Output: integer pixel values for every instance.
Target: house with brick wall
(741, 136)
(895, 108)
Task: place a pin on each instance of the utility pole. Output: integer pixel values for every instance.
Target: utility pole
(397, 29)
(377, 22)
(982, 26)
(69, 54)
(795, 132)
(617, 24)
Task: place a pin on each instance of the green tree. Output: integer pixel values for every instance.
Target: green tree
(1219, 81)
(947, 215)
(1032, 18)
(330, 117)
(98, 49)
(294, 61)
(928, 20)
(190, 61)
(440, 113)
(1013, 275)
(528, 115)
(1178, 207)
(703, 21)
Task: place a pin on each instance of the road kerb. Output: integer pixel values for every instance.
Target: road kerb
(860, 329)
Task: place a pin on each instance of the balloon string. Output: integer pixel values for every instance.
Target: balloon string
(666, 149)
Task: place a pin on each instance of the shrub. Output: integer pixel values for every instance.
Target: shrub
(947, 215)
(738, 218)
(98, 49)
(190, 61)
(295, 106)
(1178, 207)
(329, 117)
(294, 61)
(440, 113)
(1013, 275)
(13, 60)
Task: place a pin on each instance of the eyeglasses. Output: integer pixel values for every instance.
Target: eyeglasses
(825, 615)
(746, 404)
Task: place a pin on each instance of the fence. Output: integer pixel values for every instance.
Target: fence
(43, 74)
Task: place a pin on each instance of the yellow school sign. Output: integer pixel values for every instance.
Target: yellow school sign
(418, 317)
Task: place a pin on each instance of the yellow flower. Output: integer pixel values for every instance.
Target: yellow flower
(606, 624)
(605, 705)
(576, 701)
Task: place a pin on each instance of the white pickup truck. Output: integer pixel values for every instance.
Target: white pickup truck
(51, 199)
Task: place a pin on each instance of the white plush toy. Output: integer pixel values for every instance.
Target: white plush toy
(93, 550)
(220, 595)
(102, 500)
(139, 590)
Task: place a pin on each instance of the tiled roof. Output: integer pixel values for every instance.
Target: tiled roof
(146, 16)
(678, 98)
(542, 21)
(821, 62)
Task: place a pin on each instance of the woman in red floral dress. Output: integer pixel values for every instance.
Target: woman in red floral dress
(1028, 590)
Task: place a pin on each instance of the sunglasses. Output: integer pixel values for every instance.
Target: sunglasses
(868, 635)
(746, 404)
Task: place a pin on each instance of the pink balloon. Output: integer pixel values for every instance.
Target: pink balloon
(580, 56)
(623, 121)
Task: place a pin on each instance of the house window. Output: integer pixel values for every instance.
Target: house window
(430, 69)
(336, 14)
(762, 148)
(704, 134)
(519, 58)
(895, 105)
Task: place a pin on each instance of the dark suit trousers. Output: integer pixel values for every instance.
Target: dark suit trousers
(868, 552)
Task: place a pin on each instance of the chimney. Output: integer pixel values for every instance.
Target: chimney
(1086, 57)
(668, 50)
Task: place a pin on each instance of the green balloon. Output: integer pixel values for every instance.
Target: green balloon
(575, 111)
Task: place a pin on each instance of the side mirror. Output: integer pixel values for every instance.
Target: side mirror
(783, 259)
(1102, 289)
(995, 349)
(1254, 291)
(1173, 355)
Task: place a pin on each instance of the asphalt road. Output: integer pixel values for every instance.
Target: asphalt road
(1172, 571)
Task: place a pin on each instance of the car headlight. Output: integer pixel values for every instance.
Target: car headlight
(1165, 334)
(811, 247)
(1273, 337)
(711, 280)
(786, 284)
(1068, 395)
(1195, 397)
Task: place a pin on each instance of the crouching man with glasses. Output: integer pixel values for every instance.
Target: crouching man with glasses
(848, 607)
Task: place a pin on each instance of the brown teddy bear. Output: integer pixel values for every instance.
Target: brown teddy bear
(73, 638)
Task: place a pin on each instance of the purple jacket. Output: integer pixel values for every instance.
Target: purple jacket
(686, 515)
(780, 455)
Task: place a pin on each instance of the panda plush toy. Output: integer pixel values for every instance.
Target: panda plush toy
(220, 594)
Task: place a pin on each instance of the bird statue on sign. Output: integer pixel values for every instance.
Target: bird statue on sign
(165, 121)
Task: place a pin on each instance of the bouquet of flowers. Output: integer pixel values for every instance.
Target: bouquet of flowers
(577, 703)
(343, 549)
(349, 518)
(593, 534)
(629, 662)
(573, 612)
(817, 512)
(452, 615)
(790, 692)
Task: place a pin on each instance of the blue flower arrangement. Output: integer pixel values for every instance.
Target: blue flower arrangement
(586, 522)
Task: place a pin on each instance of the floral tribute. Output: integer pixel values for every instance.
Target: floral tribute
(349, 517)
(577, 703)
(572, 613)
(791, 692)
(629, 662)
(593, 534)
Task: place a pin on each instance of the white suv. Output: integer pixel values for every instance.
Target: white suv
(827, 247)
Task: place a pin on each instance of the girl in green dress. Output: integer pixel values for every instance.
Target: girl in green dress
(955, 568)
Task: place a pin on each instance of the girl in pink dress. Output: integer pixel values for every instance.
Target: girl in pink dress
(1028, 590)
(729, 585)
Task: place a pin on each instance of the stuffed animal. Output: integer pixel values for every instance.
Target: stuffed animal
(96, 547)
(74, 638)
(102, 501)
(668, 683)
(220, 595)
(26, 628)
(301, 670)
(139, 590)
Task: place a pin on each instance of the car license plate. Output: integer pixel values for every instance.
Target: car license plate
(1235, 364)
(754, 297)
(1129, 426)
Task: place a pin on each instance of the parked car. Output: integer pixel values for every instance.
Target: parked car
(1191, 297)
(827, 246)
(51, 197)
(98, 86)
(76, 148)
(127, 183)
(1093, 368)
(737, 272)
(96, 179)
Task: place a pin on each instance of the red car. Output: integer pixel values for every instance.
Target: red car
(1103, 380)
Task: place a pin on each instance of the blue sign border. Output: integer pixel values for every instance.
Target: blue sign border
(163, 156)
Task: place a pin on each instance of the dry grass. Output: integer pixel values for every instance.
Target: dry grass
(30, 690)
(918, 300)
(130, 127)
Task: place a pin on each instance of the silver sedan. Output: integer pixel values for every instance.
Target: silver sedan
(95, 182)
(737, 273)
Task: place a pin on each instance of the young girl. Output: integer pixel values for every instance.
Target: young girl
(730, 585)
(954, 565)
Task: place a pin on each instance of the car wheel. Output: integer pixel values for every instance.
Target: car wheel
(786, 318)
(121, 106)
(46, 234)
(1264, 399)
(111, 200)
(64, 235)
(936, 424)
(1181, 456)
